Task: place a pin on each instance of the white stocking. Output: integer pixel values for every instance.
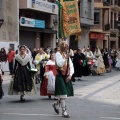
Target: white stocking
(63, 106)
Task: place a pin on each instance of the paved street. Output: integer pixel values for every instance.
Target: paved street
(96, 98)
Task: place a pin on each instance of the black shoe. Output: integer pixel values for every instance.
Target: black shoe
(65, 116)
(2, 73)
(49, 96)
(22, 99)
(55, 109)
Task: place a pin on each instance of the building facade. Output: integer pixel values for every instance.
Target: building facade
(105, 33)
(38, 24)
(9, 24)
(86, 8)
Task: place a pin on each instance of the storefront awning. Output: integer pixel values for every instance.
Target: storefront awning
(22, 28)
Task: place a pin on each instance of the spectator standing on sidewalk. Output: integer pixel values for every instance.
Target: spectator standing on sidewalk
(10, 57)
(3, 59)
(34, 53)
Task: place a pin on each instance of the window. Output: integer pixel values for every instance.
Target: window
(12, 46)
(89, 9)
(97, 17)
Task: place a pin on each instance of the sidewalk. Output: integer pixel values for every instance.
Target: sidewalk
(105, 91)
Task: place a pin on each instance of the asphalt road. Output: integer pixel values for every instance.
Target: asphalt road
(40, 108)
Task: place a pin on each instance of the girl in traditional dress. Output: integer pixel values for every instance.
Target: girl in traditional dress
(48, 84)
(23, 83)
(99, 65)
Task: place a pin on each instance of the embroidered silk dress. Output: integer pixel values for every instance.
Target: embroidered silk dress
(99, 64)
(22, 83)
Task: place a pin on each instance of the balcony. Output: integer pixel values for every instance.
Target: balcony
(106, 2)
(117, 2)
(107, 27)
(114, 24)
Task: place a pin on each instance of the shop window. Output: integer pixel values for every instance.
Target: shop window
(12, 46)
(97, 17)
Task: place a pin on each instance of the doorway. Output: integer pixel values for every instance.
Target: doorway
(104, 44)
(93, 44)
(73, 43)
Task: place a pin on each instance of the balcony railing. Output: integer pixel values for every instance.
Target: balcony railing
(106, 2)
(98, 1)
(114, 24)
(107, 27)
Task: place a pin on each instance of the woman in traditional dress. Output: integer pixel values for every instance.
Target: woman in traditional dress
(99, 65)
(48, 84)
(23, 83)
(88, 62)
(3, 59)
(78, 59)
(118, 60)
(106, 60)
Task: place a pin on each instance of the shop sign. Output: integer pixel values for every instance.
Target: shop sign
(28, 22)
(43, 6)
(96, 36)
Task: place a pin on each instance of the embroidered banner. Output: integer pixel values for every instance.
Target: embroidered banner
(71, 19)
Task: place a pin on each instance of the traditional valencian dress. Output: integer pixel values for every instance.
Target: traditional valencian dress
(65, 68)
(48, 84)
(118, 61)
(40, 63)
(22, 83)
(99, 64)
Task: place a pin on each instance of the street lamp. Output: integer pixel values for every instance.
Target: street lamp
(1, 22)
